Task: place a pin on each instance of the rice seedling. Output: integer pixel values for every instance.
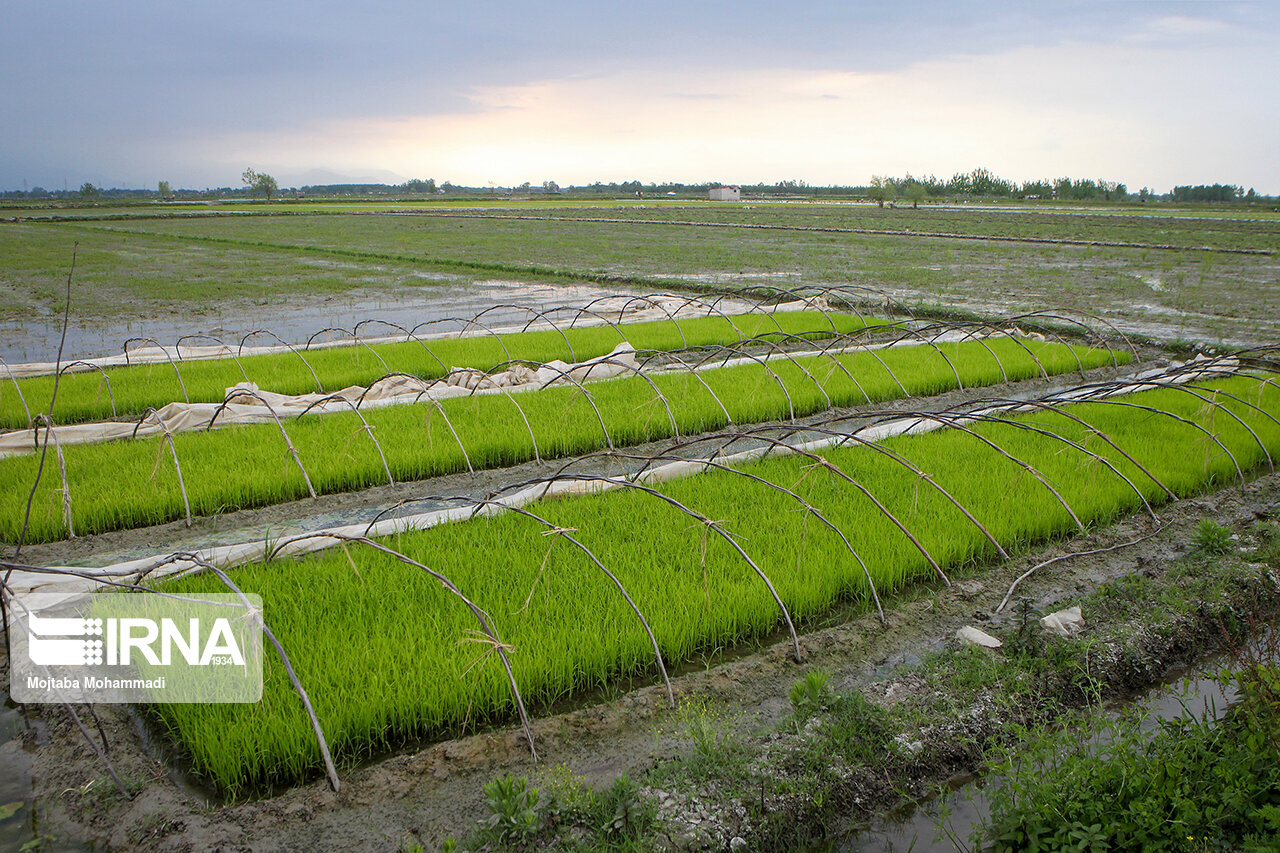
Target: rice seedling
(129, 391)
(566, 627)
(125, 484)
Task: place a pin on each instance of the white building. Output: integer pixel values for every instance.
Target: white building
(726, 193)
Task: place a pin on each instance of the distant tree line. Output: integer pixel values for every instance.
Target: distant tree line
(1214, 192)
(981, 183)
(976, 184)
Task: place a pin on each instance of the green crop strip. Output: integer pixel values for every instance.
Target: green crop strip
(125, 484)
(87, 397)
(569, 628)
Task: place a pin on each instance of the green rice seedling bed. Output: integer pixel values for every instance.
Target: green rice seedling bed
(132, 483)
(383, 650)
(85, 396)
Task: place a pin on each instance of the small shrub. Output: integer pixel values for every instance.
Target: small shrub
(1029, 639)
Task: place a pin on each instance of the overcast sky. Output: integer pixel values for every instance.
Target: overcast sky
(130, 92)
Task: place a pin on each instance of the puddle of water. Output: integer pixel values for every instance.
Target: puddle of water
(733, 277)
(939, 825)
(36, 339)
(17, 807)
(1132, 317)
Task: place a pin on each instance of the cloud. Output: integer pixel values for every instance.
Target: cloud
(1155, 114)
(827, 91)
(1188, 27)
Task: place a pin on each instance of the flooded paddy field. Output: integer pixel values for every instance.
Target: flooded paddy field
(1186, 275)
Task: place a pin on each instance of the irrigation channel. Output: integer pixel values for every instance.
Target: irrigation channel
(946, 822)
(518, 601)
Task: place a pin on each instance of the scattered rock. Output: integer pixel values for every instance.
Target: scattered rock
(976, 637)
(911, 746)
(1064, 623)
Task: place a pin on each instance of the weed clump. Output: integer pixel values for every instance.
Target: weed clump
(1211, 538)
(522, 818)
(808, 696)
(1196, 784)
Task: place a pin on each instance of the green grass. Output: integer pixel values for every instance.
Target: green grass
(85, 396)
(569, 628)
(1195, 784)
(131, 483)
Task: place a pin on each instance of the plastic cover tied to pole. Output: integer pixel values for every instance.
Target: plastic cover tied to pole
(246, 403)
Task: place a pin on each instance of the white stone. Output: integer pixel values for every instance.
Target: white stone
(1064, 623)
(973, 636)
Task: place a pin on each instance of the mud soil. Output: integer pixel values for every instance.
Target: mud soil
(428, 793)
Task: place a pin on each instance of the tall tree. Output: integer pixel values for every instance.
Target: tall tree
(882, 189)
(260, 182)
(914, 192)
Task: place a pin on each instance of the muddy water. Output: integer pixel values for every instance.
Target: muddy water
(36, 338)
(1139, 317)
(946, 823)
(17, 813)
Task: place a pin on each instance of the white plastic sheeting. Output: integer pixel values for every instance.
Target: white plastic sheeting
(1064, 623)
(82, 579)
(246, 403)
(977, 637)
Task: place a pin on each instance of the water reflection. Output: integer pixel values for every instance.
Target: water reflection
(36, 339)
